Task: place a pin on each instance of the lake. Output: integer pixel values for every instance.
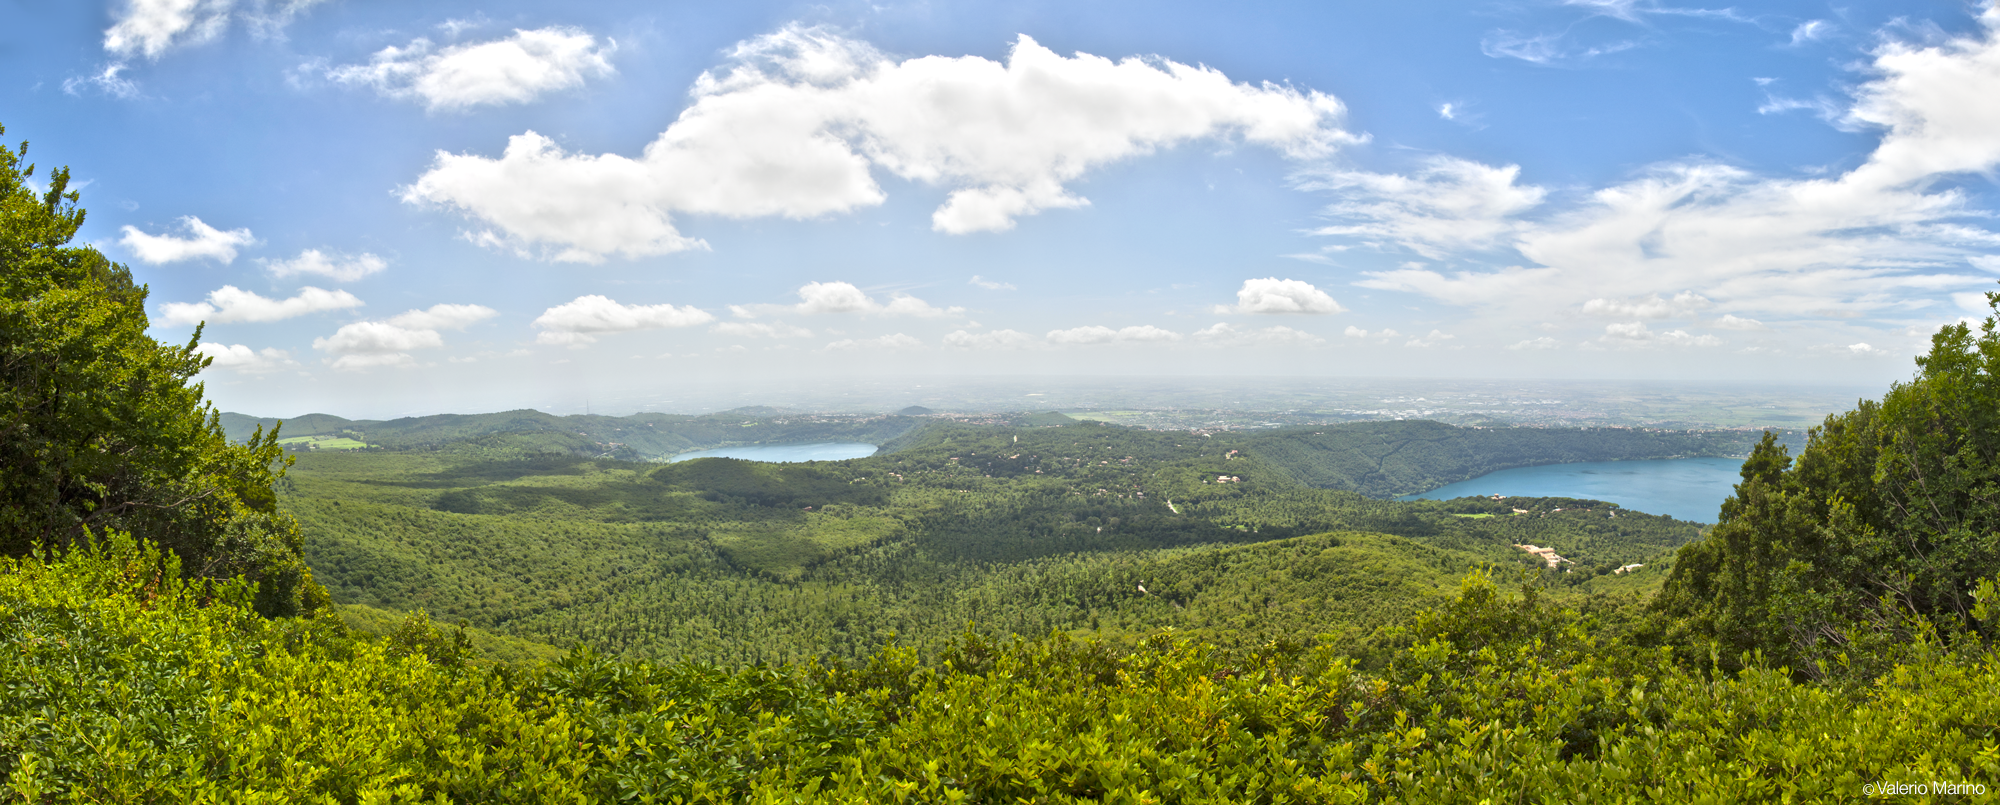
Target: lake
(1683, 488)
(812, 451)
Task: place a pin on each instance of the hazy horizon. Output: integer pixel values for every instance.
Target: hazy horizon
(385, 210)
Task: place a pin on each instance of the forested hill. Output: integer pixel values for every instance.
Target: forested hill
(1386, 459)
(1377, 459)
(639, 437)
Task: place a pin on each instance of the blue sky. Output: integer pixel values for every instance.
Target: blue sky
(384, 209)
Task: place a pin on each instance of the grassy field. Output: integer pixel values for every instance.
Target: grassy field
(322, 443)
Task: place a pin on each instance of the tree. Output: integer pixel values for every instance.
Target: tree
(1887, 523)
(100, 428)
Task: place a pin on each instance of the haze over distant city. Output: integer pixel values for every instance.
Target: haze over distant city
(389, 209)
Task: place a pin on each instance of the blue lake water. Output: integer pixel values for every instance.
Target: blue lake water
(1683, 488)
(813, 451)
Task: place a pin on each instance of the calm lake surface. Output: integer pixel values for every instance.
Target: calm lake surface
(1682, 488)
(813, 451)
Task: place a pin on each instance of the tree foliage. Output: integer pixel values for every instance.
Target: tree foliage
(1889, 517)
(100, 427)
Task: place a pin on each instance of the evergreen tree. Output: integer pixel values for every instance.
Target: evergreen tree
(100, 427)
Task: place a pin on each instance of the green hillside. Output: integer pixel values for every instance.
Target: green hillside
(1387, 459)
(640, 437)
(1010, 530)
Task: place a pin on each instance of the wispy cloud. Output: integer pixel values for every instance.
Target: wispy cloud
(339, 267)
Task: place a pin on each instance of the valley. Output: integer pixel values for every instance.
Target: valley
(954, 528)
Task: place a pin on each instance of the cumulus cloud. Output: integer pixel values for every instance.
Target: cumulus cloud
(897, 341)
(997, 339)
(377, 338)
(340, 267)
(1650, 306)
(1864, 349)
(1544, 342)
(583, 319)
(1223, 334)
(1094, 334)
(1273, 295)
(991, 285)
(1356, 332)
(1872, 238)
(1447, 205)
(202, 241)
(516, 69)
(243, 359)
(760, 330)
(1731, 321)
(843, 297)
(795, 125)
(1435, 338)
(232, 304)
(373, 344)
(443, 317)
(1633, 334)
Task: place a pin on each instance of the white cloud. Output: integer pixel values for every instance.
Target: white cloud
(203, 241)
(244, 359)
(378, 338)
(1974, 301)
(1638, 334)
(798, 121)
(1273, 295)
(373, 344)
(1094, 334)
(152, 27)
(1543, 342)
(1435, 338)
(1222, 334)
(516, 69)
(149, 27)
(1445, 112)
(340, 267)
(1548, 48)
(1731, 321)
(1448, 205)
(356, 363)
(443, 317)
(1877, 237)
(759, 330)
(843, 297)
(991, 285)
(997, 339)
(1384, 333)
(232, 304)
(1651, 306)
(107, 80)
(1865, 350)
(896, 341)
(581, 320)
(1810, 31)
